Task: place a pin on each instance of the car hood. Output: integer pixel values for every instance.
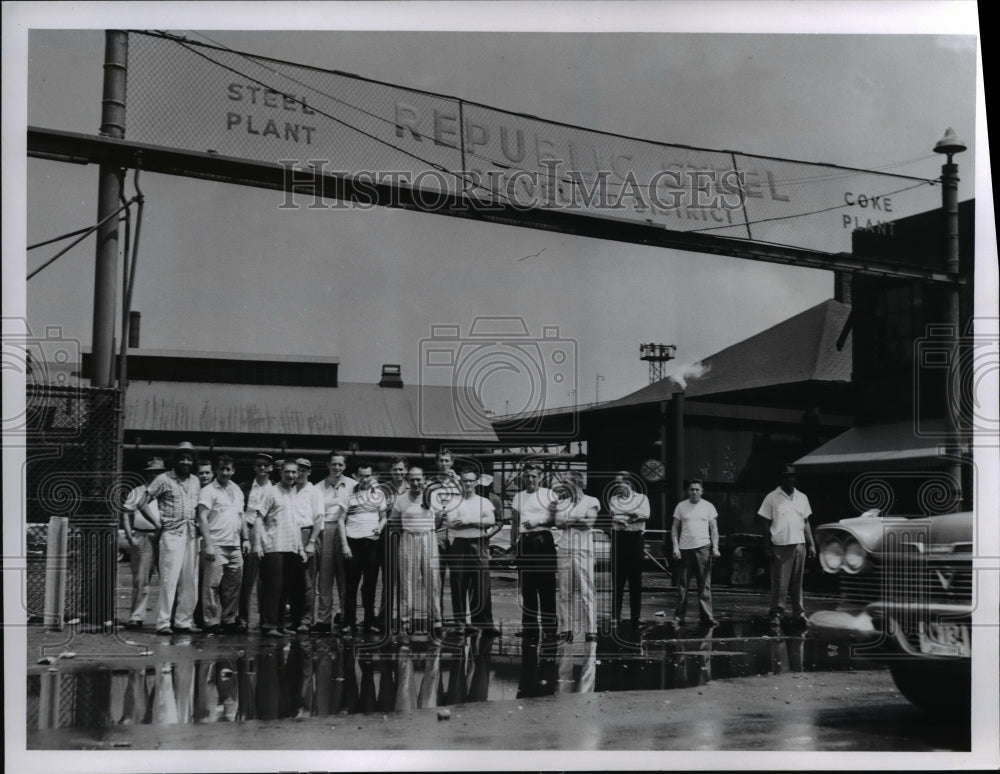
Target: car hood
(949, 531)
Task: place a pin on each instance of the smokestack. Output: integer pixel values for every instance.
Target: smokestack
(842, 286)
(676, 477)
(134, 319)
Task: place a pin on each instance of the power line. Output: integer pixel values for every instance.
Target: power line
(346, 124)
(826, 178)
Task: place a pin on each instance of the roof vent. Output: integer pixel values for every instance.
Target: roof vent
(392, 376)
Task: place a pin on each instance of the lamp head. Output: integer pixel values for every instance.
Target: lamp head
(949, 144)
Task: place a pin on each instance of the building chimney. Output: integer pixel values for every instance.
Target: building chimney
(134, 319)
(392, 376)
(842, 286)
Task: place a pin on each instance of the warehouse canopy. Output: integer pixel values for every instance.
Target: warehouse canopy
(907, 444)
(799, 350)
(350, 409)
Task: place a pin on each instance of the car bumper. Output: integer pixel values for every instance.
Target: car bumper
(843, 625)
(938, 631)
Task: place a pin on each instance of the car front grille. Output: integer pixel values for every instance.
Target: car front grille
(911, 579)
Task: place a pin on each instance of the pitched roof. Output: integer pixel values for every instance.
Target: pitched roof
(350, 409)
(799, 349)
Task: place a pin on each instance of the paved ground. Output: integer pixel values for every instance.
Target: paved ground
(785, 709)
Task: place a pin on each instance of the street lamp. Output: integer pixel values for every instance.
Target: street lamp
(949, 145)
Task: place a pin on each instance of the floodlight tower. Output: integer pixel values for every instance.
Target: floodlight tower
(656, 355)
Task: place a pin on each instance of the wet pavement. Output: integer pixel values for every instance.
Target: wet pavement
(313, 677)
(92, 690)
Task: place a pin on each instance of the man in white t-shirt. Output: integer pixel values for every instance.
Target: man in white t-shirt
(469, 558)
(363, 524)
(224, 539)
(695, 535)
(536, 555)
(786, 511)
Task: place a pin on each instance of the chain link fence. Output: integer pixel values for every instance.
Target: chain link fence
(199, 97)
(73, 482)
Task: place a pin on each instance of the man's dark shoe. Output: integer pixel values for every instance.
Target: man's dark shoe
(233, 628)
(133, 624)
(213, 629)
(166, 631)
(322, 628)
(302, 629)
(275, 634)
(800, 622)
(187, 630)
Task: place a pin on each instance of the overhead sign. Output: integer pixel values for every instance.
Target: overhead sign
(194, 97)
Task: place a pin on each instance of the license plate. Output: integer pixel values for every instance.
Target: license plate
(945, 640)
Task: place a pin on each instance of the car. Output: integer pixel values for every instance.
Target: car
(906, 600)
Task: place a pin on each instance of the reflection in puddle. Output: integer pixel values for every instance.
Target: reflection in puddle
(307, 678)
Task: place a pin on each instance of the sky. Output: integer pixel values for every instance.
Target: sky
(223, 268)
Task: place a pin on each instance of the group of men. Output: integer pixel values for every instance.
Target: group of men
(291, 542)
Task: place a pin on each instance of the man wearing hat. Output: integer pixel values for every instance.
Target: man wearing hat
(309, 517)
(176, 494)
(786, 511)
(253, 492)
(142, 529)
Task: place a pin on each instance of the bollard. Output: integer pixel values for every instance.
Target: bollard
(56, 565)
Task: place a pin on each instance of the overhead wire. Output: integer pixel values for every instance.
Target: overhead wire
(84, 233)
(836, 173)
(432, 164)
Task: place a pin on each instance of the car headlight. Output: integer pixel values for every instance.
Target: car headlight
(855, 557)
(831, 555)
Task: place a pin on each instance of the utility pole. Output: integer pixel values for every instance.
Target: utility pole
(108, 201)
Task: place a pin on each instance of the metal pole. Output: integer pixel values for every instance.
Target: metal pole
(109, 191)
(949, 206)
(56, 565)
(677, 445)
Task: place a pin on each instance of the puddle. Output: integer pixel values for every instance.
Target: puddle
(321, 677)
